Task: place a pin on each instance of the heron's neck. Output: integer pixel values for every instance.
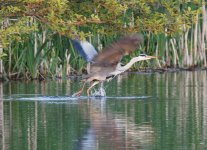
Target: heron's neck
(128, 65)
(120, 69)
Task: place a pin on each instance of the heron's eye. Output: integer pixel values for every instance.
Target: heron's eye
(143, 55)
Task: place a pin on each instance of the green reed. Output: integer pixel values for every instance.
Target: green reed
(47, 54)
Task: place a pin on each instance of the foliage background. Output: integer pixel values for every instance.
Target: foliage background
(35, 33)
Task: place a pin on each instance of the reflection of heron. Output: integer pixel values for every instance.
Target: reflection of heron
(106, 64)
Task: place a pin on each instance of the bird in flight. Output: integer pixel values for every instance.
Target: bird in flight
(105, 65)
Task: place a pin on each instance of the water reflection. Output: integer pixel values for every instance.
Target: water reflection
(117, 130)
(2, 141)
(173, 114)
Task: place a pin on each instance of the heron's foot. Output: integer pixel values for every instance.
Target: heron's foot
(77, 94)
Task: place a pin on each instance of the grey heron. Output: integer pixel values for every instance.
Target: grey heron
(105, 65)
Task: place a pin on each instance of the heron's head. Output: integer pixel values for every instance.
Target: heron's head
(145, 57)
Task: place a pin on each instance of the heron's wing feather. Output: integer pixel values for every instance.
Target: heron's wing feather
(85, 49)
(112, 54)
(89, 50)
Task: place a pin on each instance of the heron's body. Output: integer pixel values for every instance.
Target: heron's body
(105, 65)
(98, 73)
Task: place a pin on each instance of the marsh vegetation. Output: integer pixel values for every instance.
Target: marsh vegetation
(34, 34)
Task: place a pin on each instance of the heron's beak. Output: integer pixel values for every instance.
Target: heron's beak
(150, 57)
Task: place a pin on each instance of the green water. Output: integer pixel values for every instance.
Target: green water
(141, 111)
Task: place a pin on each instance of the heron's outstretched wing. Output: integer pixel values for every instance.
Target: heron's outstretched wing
(85, 49)
(112, 54)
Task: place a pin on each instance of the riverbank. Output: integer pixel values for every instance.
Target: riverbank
(131, 71)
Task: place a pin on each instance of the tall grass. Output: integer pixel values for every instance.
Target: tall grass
(185, 50)
(47, 54)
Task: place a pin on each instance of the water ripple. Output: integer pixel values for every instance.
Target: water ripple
(71, 98)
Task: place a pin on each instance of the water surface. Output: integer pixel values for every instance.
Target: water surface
(141, 111)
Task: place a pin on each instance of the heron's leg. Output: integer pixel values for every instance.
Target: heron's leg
(100, 87)
(80, 91)
(92, 85)
(101, 91)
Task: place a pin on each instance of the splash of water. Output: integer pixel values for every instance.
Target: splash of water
(99, 93)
